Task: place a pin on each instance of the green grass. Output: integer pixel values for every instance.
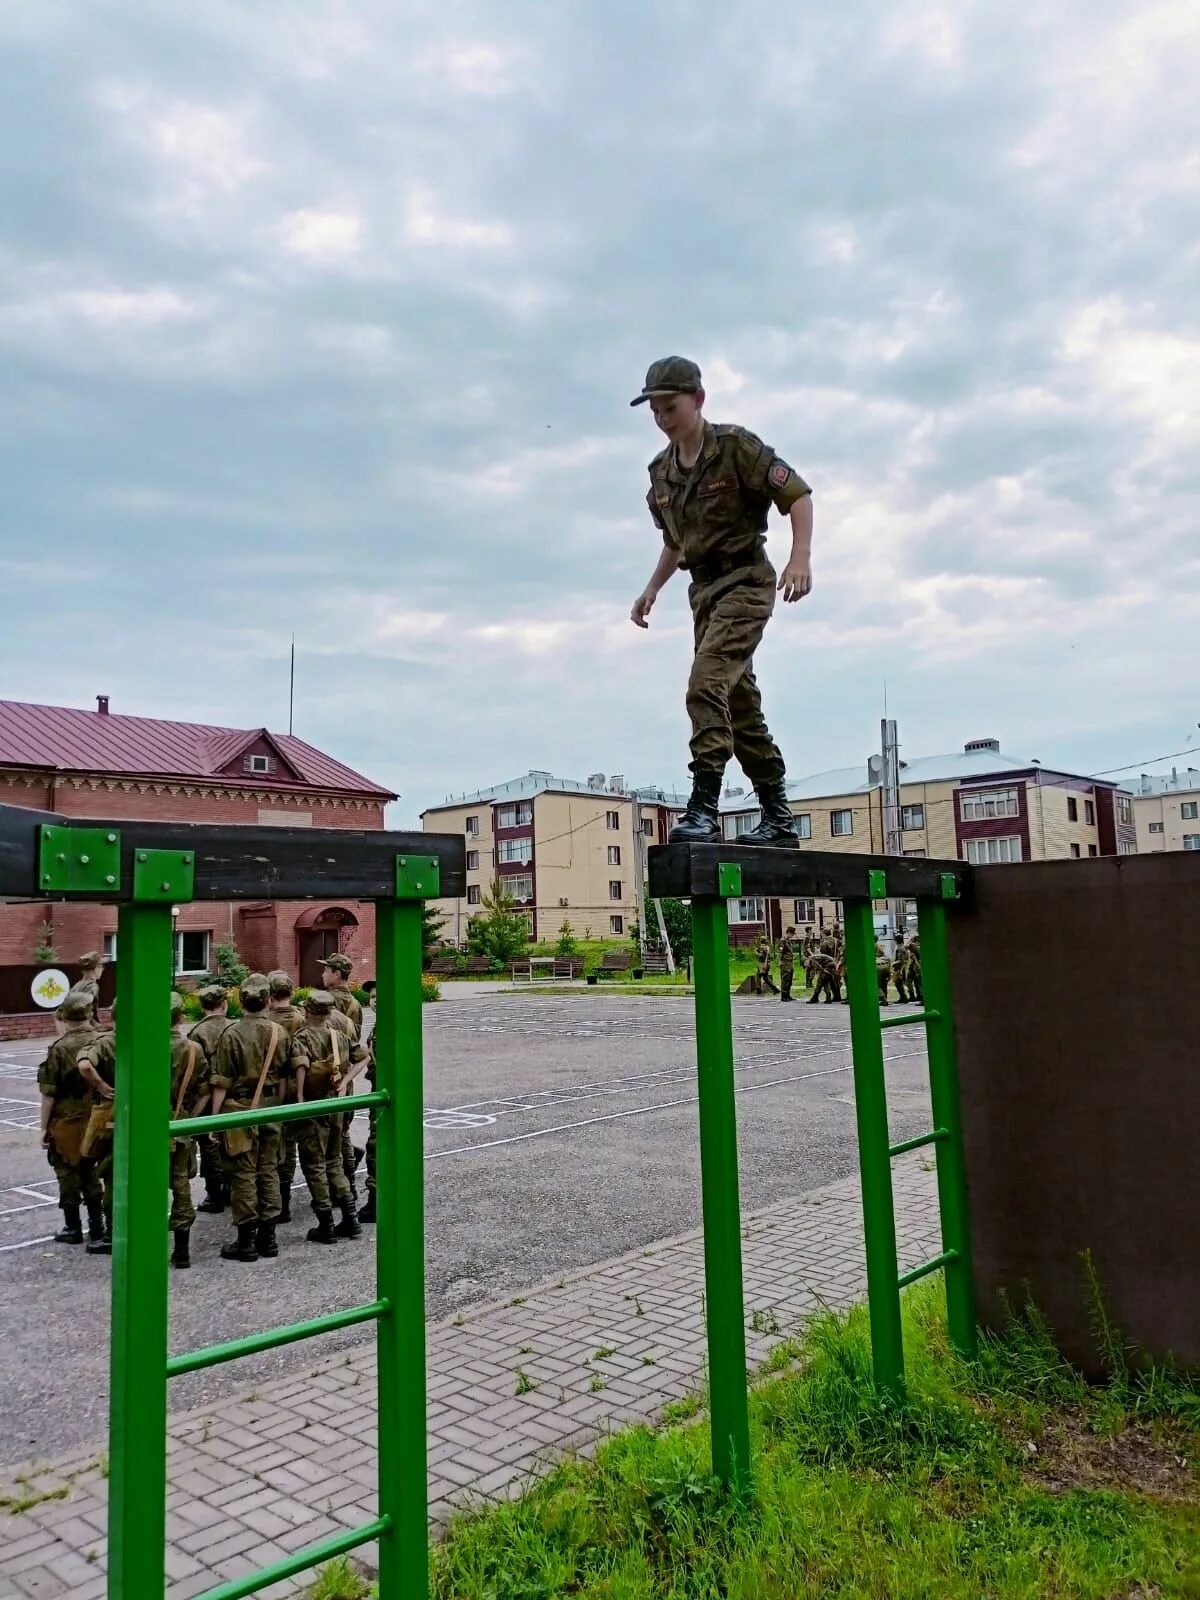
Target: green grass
(1009, 1479)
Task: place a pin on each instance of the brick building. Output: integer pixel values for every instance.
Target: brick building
(95, 764)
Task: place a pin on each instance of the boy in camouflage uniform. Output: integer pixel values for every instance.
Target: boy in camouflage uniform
(214, 1002)
(98, 1069)
(325, 1063)
(335, 980)
(280, 1009)
(252, 1060)
(66, 1105)
(787, 964)
(189, 1095)
(367, 1213)
(883, 971)
(765, 980)
(710, 493)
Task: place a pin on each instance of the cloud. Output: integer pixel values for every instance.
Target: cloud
(326, 323)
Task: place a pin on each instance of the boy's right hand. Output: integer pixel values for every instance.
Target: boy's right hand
(641, 609)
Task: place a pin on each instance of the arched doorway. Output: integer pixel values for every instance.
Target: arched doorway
(319, 932)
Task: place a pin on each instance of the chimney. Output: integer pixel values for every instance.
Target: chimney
(102, 704)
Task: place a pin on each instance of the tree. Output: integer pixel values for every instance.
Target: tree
(230, 968)
(501, 932)
(567, 943)
(45, 950)
(432, 923)
(677, 915)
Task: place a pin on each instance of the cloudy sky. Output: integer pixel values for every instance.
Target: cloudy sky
(325, 319)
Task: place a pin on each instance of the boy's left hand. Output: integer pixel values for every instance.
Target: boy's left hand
(795, 581)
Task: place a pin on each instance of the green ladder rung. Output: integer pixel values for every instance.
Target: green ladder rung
(926, 1267)
(213, 1354)
(933, 1137)
(312, 1555)
(294, 1112)
(908, 1020)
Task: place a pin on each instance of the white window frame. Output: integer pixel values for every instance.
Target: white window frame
(616, 924)
(1127, 848)
(192, 933)
(648, 827)
(517, 815)
(472, 860)
(837, 832)
(616, 889)
(1089, 813)
(1155, 827)
(804, 824)
(987, 852)
(614, 855)
(741, 822)
(1191, 841)
(474, 894)
(525, 880)
(612, 821)
(1189, 810)
(108, 946)
(520, 849)
(917, 855)
(912, 818)
(982, 805)
(259, 765)
(803, 911)
(471, 826)
(1124, 809)
(751, 908)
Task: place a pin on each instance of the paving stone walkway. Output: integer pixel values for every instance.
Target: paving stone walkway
(294, 1462)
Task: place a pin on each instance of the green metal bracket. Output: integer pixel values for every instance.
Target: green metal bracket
(877, 884)
(418, 878)
(163, 875)
(729, 880)
(78, 860)
(949, 886)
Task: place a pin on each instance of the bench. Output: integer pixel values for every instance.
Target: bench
(479, 965)
(616, 963)
(443, 965)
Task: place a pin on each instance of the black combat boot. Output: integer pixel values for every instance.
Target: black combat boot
(323, 1233)
(777, 827)
(242, 1248)
(96, 1228)
(99, 1245)
(181, 1254)
(71, 1231)
(348, 1227)
(700, 823)
(285, 1208)
(214, 1200)
(367, 1214)
(264, 1240)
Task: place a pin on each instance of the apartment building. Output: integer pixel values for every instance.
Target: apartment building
(977, 805)
(1166, 810)
(566, 850)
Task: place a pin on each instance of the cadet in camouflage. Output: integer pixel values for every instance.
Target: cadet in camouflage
(252, 1062)
(214, 1003)
(189, 1096)
(335, 980)
(281, 1009)
(710, 493)
(325, 1063)
(66, 1106)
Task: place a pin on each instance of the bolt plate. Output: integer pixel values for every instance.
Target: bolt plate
(877, 883)
(949, 886)
(163, 875)
(418, 878)
(78, 860)
(729, 879)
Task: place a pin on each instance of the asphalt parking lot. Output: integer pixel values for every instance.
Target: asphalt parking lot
(560, 1130)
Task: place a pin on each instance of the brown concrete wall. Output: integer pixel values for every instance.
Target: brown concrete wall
(1075, 987)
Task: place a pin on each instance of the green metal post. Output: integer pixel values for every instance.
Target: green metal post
(400, 1254)
(875, 1166)
(138, 1363)
(947, 1114)
(721, 1205)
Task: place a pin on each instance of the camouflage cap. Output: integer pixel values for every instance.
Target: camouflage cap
(176, 1006)
(211, 995)
(91, 958)
(280, 983)
(77, 1007)
(255, 987)
(671, 375)
(319, 1000)
(338, 963)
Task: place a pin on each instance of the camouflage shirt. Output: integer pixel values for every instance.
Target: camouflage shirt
(58, 1075)
(349, 1008)
(787, 953)
(181, 1054)
(101, 1055)
(241, 1051)
(314, 1050)
(207, 1031)
(717, 510)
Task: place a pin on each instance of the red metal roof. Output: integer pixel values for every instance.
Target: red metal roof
(69, 740)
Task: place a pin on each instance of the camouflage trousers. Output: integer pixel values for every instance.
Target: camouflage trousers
(77, 1185)
(319, 1143)
(370, 1158)
(787, 976)
(289, 1144)
(254, 1176)
(185, 1164)
(213, 1162)
(102, 1155)
(723, 701)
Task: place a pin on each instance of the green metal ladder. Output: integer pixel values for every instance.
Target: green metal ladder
(140, 1367)
(728, 1389)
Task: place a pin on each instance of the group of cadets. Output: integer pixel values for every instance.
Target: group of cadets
(823, 958)
(275, 1053)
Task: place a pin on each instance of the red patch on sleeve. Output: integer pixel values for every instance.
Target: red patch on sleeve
(779, 474)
